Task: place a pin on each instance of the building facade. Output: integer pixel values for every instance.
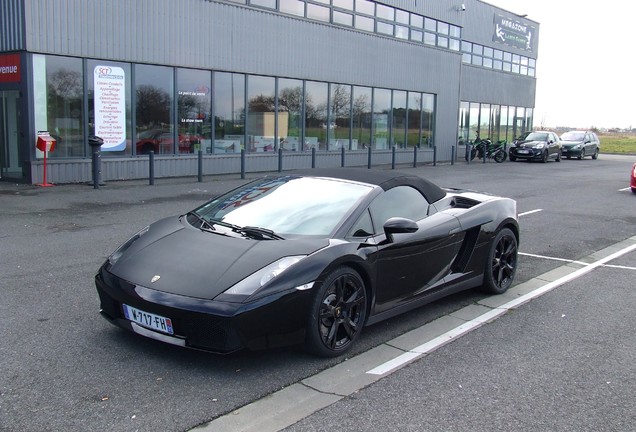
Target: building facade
(218, 83)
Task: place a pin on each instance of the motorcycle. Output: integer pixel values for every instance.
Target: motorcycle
(486, 148)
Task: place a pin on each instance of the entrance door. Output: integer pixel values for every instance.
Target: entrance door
(10, 160)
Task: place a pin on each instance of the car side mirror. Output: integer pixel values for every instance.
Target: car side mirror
(398, 225)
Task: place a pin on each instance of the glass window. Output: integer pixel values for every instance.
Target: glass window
(463, 127)
(316, 119)
(413, 118)
(342, 18)
(381, 112)
(467, 58)
(430, 24)
(401, 201)
(398, 119)
(194, 100)
(532, 63)
(498, 54)
(442, 42)
(293, 7)
(429, 38)
(385, 28)
(339, 125)
(417, 21)
(361, 121)
(478, 49)
(428, 119)
(454, 31)
(401, 32)
(290, 108)
(316, 12)
(109, 105)
(365, 7)
(270, 4)
(474, 120)
(487, 62)
(515, 68)
(485, 126)
(516, 58)
(417, 36)
(507, 57)
(497, 64)
(453, 44)
(343, 4)
(154, 87)
(364, 23)
(59, 104)
(261, 119)
(477, 60)
(507, 67)
(323, 1)
(384, 12)
(531, 72)
(467, 47)
(402, 16)
(488, 52)
(442, 28)
(229, 112)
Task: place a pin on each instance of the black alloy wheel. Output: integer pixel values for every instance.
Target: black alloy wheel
(502, 263)
(544, 157)
(339, 310)
(595, 155)
(582, 155)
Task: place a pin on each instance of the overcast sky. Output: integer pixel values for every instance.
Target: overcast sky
(586, 64)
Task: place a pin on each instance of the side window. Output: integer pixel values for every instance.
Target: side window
(401, 201)
(364, 226)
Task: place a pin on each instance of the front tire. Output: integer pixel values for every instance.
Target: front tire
(512, 158)
(502, 263)
(582, 155)
(544, 158)
(338, 313)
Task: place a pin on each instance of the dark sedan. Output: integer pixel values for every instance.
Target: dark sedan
(579, 144)
(307, 258)
(539, 146)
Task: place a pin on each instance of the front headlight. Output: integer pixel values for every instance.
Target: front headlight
(540, 146)
(114, 257)
(577, 147)
(253, 282)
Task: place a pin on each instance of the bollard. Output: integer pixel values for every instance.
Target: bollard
(280, 159)
(96, 142)
(342, 156)
(393, 157)
(369, 158)
(414, 156)
(453, 155)
(151, 167)
(434, 155)
(468, 151)
(242, 164)
(313, 157)
(200, 167)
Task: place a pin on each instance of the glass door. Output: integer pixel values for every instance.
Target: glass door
(10, 160)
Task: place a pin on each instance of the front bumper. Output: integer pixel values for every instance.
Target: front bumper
(525, 153)
(208, 325)
(570, 152)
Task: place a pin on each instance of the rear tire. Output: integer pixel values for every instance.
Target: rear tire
(501, 266)
(500, 156)
(595, 155)
(338, 313)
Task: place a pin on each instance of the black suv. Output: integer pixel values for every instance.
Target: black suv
(580, 144)
(537, 145)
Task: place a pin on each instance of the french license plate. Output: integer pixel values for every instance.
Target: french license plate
(524, 151)
(151, 321)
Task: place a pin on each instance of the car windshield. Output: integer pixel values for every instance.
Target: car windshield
(573, 136)
(287, 205)
(534, 136)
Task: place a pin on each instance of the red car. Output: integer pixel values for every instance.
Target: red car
(632, 181)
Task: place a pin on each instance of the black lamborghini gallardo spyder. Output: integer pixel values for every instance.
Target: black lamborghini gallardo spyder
(307, 258)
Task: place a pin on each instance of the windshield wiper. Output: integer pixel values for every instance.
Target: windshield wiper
(258, 232)
(205, 224)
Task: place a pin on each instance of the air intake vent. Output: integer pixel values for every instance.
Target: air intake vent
(463, 202)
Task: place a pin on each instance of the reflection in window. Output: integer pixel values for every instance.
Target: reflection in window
(361, 126)
(485, 125)
(154, 93)
(384, 12)
(339, 116)
(60, 113)
(290, 101)
(229, 112)
(342, 18)
(429, 38)
(381, 111)
(115, 126)
(417, 36)
(385, 28)
(319, 13)
(401, 32)
(414, 116)
(365, 6)
(194, 100)
(316, 124)
(401, 201)
(398, 119)
(463, 127)
(261, 120)
(343, 4)
(364, 23)
(428, 119)
(270, 4)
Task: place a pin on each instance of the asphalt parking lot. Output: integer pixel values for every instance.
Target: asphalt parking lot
(562, 360)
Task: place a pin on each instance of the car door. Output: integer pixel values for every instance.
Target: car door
(554, 146)
(411, 263)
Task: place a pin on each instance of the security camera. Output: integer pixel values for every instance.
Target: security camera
(463, 7)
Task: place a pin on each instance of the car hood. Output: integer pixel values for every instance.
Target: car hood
(200, 264)
(571, 143)
(528, 144)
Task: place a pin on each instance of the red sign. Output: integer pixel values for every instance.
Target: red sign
(10, 68)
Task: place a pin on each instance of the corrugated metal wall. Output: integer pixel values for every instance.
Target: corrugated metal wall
(11, 25)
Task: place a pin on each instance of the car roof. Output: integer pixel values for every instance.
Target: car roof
(383, 178)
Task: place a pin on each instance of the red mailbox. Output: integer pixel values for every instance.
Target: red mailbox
(46, 143)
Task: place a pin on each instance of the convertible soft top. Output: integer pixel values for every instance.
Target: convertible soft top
(382, 178)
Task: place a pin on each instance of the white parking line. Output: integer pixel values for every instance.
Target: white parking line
(455, 333)
(624, 189)
(530, 212)
(552, 258)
